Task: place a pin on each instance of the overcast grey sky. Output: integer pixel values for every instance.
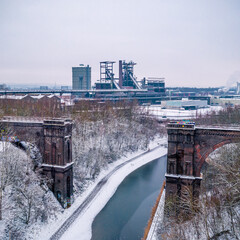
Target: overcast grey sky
(189, 42)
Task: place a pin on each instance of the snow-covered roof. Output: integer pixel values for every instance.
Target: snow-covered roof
(12, 97)
(37, 96)
(52, 95)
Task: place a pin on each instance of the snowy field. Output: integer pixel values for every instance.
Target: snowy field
(81, 228)
(156, 110)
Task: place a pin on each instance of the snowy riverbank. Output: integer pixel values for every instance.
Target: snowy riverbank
(81, 228)
(158, 219)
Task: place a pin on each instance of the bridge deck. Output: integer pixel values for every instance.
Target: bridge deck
(22, 120)
(219, 127)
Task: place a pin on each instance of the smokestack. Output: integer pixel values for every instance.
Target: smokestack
(120, 74)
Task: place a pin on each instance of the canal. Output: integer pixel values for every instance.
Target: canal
(126, 214)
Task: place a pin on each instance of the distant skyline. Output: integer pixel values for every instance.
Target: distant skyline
(191, 43)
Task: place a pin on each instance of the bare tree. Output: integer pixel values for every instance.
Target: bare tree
(7, 163)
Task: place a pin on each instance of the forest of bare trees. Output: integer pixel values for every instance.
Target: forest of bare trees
(230, 115)
(102, 133)
(103, 136)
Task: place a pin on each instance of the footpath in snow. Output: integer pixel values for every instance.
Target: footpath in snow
(81, 227)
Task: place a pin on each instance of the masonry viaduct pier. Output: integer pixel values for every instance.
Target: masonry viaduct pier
(53, 137)
(188, 148)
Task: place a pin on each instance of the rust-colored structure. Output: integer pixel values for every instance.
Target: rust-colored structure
(53, 137)
(188, 147)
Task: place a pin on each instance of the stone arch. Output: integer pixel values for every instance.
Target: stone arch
(187, 168)
(54, 154)
(68, 151)
(188, 138)
(171, 168)
(68, 187)
(179, 158)
(208, 150)
(188, 148)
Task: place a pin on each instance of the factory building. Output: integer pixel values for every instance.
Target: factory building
(156, 85)
(126, 79)
(184, 104)
(81, 77)
(225, 102)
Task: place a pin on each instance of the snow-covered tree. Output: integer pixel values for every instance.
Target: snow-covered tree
(26, 198)
(101, 136)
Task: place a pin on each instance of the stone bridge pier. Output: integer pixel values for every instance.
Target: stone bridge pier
(188, 148)
(53, 137)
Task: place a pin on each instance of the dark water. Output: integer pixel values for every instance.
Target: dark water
(126, 214)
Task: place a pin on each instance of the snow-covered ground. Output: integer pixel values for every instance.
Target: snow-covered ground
(81, 228)
(157, 111)
(158, 218)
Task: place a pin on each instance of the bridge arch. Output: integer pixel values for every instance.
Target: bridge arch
(188, 148)
(208, 151)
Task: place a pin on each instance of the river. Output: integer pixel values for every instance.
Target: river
(126, 214)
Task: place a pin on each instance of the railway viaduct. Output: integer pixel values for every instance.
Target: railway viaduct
(188, 148)
(53, 137)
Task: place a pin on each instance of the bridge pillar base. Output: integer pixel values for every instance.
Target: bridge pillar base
(178, 186)
(62, 182)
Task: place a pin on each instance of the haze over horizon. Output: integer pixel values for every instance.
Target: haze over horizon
(191, 43)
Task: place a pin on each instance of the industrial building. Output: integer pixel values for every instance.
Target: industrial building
(184, 104)
(81, 77)
(124, 85)
(156, 85)
(226, 102)
(126, 79)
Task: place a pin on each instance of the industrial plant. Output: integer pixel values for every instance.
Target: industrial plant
(111, 86)
(124, 85)
(81, 78)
